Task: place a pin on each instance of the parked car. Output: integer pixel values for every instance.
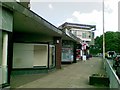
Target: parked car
(116, 61)
(118, 71)
(111, 54)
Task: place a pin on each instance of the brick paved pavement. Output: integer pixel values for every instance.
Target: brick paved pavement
(74, 75)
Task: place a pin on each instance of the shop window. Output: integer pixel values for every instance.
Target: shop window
(30, 55)
(40, 55)
(67, 54)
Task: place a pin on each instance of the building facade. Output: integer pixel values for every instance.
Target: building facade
(29, 43)
(84, 32)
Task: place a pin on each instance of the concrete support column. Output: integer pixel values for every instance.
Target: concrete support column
(74, 52)
(58, 44)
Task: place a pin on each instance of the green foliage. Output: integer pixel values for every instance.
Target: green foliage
(112, 43)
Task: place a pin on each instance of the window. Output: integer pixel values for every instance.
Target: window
(84, 35)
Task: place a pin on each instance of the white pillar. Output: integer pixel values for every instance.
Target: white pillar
(5, 46)
(4, 58)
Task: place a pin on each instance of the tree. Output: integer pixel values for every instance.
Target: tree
(112, 43)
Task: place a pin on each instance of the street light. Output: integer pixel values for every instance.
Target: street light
(103, 34)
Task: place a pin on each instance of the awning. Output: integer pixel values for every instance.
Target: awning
(26, 21)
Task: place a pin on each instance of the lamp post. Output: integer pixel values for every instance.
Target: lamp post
(103, 34)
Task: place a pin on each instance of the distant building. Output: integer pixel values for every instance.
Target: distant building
(82, 31)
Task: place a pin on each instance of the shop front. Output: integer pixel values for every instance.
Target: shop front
(67, 51)
(30, 44)
(31, 57)
(78, 52)
(6, 23)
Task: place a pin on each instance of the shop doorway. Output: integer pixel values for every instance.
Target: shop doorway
(52, 63)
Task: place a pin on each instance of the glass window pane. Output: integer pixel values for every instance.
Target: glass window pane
(83, 35)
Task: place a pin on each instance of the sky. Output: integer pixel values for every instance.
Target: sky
(88, 12)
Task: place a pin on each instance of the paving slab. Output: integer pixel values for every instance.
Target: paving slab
(74, 75)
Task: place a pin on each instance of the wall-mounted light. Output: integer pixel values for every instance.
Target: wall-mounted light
(58, 41)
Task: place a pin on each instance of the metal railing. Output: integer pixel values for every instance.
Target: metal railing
(114, 80)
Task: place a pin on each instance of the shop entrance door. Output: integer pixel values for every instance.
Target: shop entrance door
(51, 56)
